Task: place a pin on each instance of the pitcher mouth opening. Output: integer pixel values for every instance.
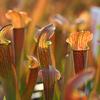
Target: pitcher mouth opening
(85, 49)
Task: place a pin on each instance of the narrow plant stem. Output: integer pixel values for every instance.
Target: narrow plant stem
(49, 83)
(18, 43)
(33, 74)
(80, 60)
(18, 34)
